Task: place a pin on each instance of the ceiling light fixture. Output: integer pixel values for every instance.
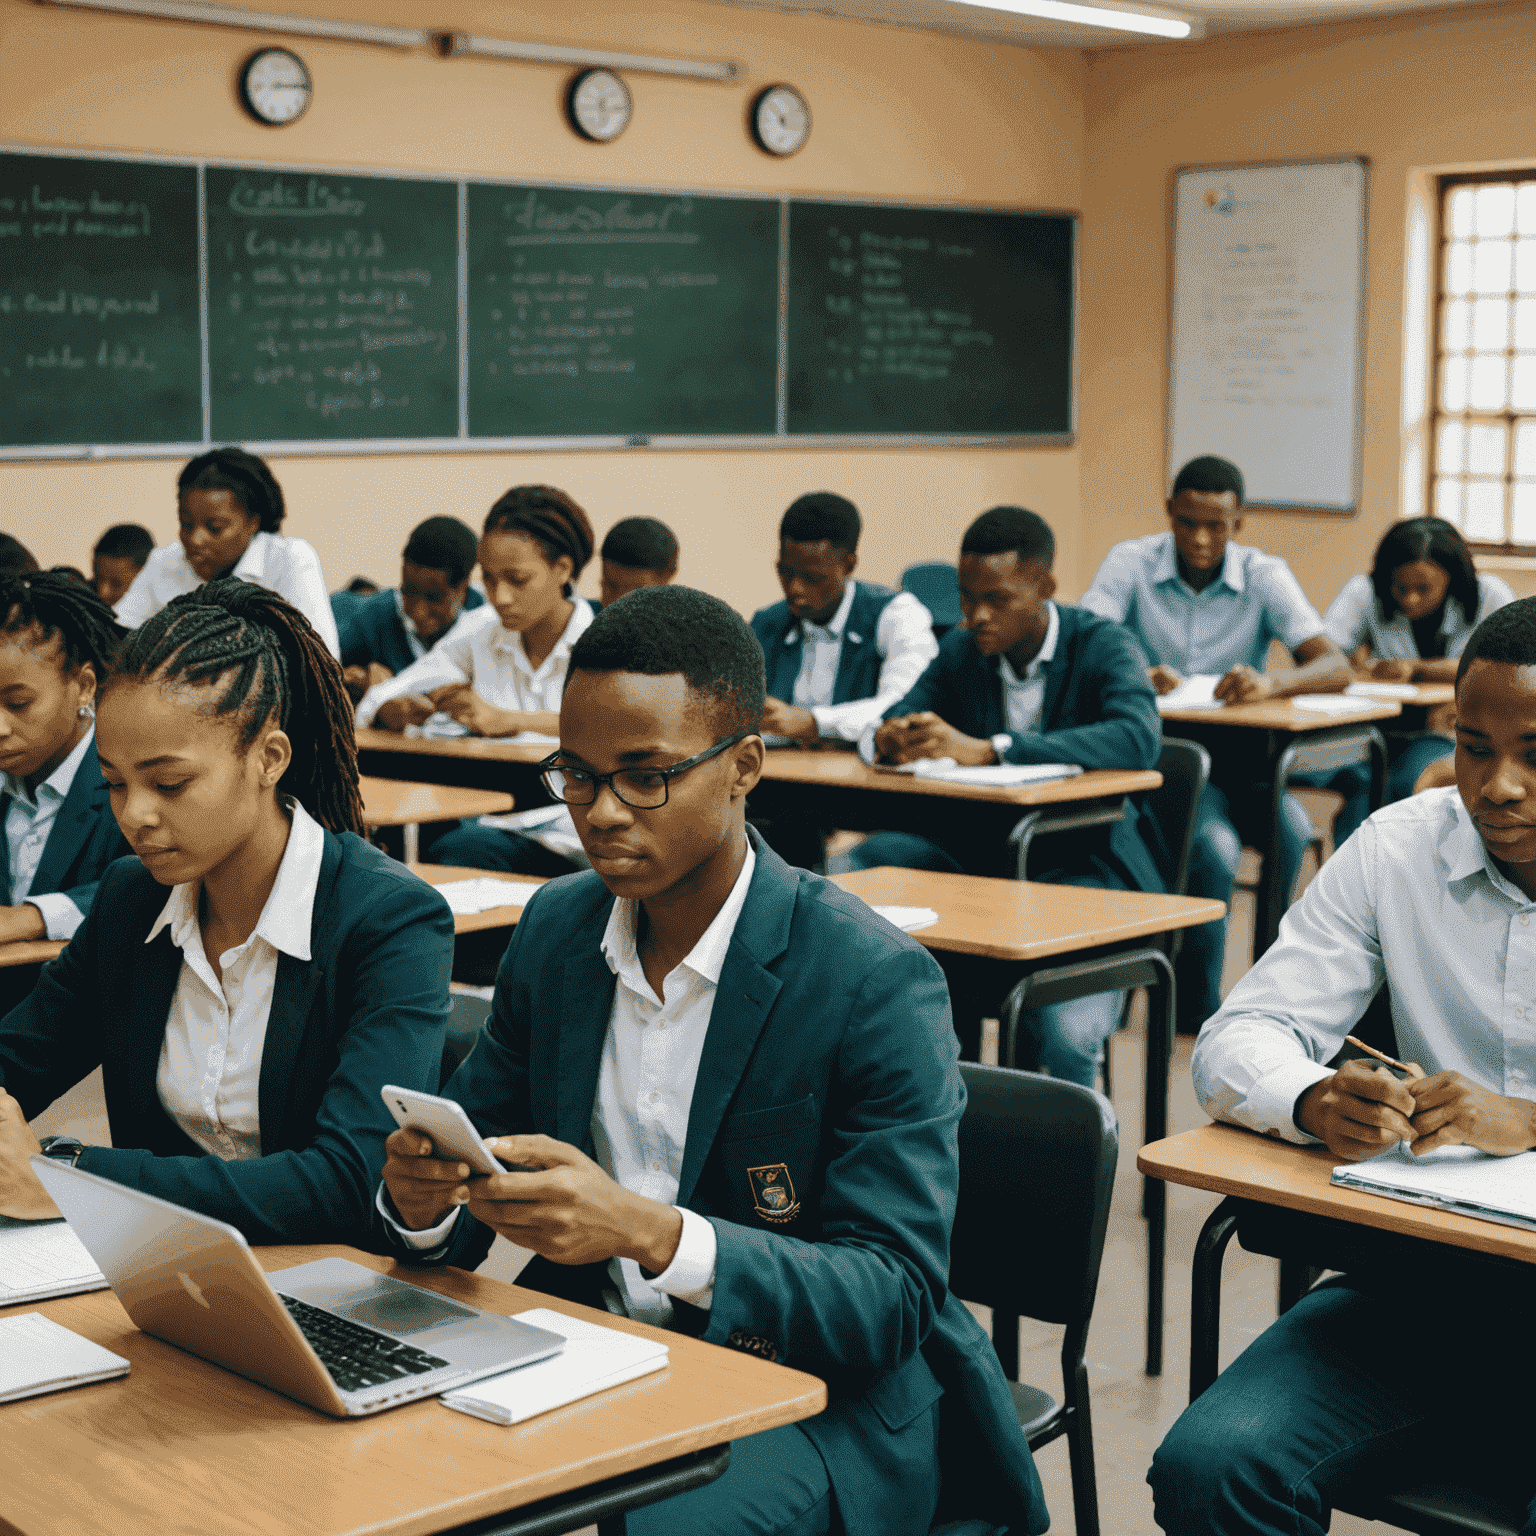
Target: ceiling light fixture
(463, 45)
(207, 12)
(1157, 23)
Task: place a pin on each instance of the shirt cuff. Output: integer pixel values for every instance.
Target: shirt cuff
(1272, 1100)
(690, 1276)
(1000, 745)
(60, 915)
(429, 1238)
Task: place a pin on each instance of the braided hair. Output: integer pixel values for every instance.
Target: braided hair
(551, 519)
(276, 665)
(244, 476)
(52, 603)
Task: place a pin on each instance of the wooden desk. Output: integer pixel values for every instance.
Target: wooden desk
(391, 803)
(29, 952)
(467, 762)
(180, 1447)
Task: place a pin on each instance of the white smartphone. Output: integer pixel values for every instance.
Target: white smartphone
(452, 1132)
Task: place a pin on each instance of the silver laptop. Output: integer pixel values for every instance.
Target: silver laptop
(331, 1333)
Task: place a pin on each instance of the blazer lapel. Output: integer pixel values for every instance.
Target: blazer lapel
(135, 1041)
(80, 814)
(786, 664)
(586, 1003)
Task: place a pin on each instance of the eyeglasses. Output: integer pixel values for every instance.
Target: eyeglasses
(642, 789)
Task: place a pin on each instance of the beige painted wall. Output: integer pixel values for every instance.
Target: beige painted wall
(897, 114)
(1447, 90)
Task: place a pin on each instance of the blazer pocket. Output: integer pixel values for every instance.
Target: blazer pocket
(900, 1395)
(778, 1121)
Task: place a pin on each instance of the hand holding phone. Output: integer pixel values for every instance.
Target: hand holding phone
(452, 1133)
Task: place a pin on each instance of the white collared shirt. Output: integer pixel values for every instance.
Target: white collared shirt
(209, 1078)
(644, 1094)
(1024, 697)
(1411, 898)
(289, 567)
(28, 823)
(1355, 618)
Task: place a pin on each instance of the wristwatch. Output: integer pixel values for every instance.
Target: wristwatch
(62, 1149)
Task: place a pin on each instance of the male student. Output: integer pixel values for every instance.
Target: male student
(1025, 680)
(778, 1174)
(383, 634)
(1387, 1374)
(638, 552)
(1198, 603)
(119, 556)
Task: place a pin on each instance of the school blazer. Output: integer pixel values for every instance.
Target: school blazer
(370, 1007)
(83, 840)
(858, 665)
(1099, 712)
(830, 1061)
(371, 631)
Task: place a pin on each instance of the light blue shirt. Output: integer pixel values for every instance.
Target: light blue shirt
(28, 821)
(1254, 600)
(1356, 619)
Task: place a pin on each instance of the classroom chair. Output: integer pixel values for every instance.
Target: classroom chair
(1044, 1152)
(936, 585)
(469, 1007)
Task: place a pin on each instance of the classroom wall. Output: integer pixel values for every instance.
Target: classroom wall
(899, 114)
(1417, 94)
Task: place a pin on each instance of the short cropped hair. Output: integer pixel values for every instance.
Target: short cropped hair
(14, 555)
(1507, 635)
(126, 541)
(641, 544)
(444, 544)
(659, 630)
(822, 515)
(1026, 533)
(1211, 475)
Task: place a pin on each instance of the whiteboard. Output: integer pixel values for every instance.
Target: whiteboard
(1268, 327)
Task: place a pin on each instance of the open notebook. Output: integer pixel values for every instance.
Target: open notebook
(992, 775)
(41, 1259)
(1459, 1179)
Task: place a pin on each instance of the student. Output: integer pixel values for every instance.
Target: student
(256, 976)
(1198, 603)
(1408, 622)
(56, 641)
(502, 670)
(383, 634)
(118, 558)
(1433, 895)
(638, 552)
(14, 555)
(230, 508)
(778, 1177)
(1028, 681)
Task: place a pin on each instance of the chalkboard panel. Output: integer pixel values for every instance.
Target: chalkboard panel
(99, 319)
(602, 312)
(332, 306)
(929, 320)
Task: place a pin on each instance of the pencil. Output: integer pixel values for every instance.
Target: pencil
(1370, 1050)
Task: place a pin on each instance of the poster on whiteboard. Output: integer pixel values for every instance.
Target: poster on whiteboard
(1268, 327)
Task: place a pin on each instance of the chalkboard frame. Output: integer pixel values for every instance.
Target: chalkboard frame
(463, 442)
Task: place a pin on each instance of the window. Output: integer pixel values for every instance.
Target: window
(1484, 475)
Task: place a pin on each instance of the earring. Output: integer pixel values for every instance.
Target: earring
(87, 711)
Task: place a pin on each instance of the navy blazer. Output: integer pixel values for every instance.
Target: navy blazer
(830, 1057)
(858, 664)
(371, 630)
(369, 1008)
(83, 840)
(1099, 712)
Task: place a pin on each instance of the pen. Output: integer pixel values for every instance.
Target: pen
(1370, 1050)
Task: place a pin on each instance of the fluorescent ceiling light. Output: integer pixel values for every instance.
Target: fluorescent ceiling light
(1164, 24)
(462, 45)
(259, 21)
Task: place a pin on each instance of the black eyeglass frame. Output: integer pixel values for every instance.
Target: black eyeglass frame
(551, 764)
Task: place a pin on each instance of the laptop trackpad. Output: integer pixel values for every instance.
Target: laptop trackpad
(403, 1309)
(375, 1300)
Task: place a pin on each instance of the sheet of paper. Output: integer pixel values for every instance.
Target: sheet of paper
(39, 1259)
(466, 897)
(992, 775)
(1458, 1178)
(909, 919)
(40, 1355)
(1198, 692)
(1382, 691)
(1330, 703)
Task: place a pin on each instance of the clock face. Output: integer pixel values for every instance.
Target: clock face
(781, 120)
(275, 86)
(599, 105)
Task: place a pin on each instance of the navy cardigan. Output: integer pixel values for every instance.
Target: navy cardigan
(369, 1008)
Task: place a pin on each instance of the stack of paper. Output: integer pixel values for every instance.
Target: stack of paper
(1459, 1179)
(1330, 703)
(41, 1259)
(38, 1355)
(1193, 693)
(993, 775)
(466, 897)
(909, 919)
(594, 1357)
(1382, 691)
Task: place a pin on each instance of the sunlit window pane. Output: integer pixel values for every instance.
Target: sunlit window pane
(1525, 450)
(1484, 520)
(1461, 215)
(1456, 325)
(1490, 383)
(1522, 389)
(1525, 265)
(1525, 208)
(1492, 265)
(1495, 210)
(1490, 325)
(1448, 500)
(1458, 269)
(1451, 449)
(1525, 324)
(1487, 444)
(1453, 384)
(1523, 513)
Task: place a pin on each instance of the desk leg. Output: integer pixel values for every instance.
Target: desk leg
(1154, 1196)
(411, 837)
(1205, 1296)
(1296, 1279)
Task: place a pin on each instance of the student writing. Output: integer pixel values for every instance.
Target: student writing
(252, 979)
(118, 557)
(637, 552)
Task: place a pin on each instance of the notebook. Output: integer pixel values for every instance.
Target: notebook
(42, 1259)
(466, 897)
(1197, 692)
(1459, 1179)
(1382, 691)
(993, 775)
(1330, 703)
(39, 1355)
(594, 1357)
(909, 919)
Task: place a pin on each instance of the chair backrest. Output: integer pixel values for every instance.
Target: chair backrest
(1037, 1169)
(1185, 767)
(936, 585)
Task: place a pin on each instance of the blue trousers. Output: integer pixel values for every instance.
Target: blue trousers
(1353, 1387)
(1407, 758)
(471, 846)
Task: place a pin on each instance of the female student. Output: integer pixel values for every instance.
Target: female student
(229, 509)
(1408, 622)
(56, 827)
(502, 670)
(256, 976)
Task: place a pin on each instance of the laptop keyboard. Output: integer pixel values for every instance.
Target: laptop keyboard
(357, 1357)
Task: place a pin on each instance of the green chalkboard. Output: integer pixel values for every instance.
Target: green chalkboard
(99, 318)
(929, 320)
(605, 312)
(332, 306)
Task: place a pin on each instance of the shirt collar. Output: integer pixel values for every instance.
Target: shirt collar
(406, 622)
(287, 917)
(59, 782)
(503, 639)
(1042, 658)
(839, 620)
(1466, 854)
(705, 959)
(1167, 568)
(252, 565)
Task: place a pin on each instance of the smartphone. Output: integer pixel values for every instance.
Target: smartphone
(453, 1135)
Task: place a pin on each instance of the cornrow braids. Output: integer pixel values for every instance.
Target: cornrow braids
(244, 476)
(277, 666)
(551, 519)
(52, 603)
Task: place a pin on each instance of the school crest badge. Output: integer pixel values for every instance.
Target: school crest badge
(773, 1193)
